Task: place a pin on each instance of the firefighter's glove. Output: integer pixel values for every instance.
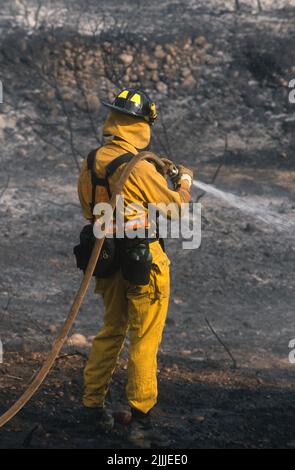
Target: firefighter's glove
(184, 177)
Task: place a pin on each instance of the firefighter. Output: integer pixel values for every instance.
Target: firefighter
(131, 306)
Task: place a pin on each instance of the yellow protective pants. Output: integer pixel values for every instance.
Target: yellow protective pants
(142, 311)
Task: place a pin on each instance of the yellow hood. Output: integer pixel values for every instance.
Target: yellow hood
(133, 130)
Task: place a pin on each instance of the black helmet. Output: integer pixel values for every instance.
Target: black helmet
(135, 103)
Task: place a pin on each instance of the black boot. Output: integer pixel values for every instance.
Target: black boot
(101, 418)
(143, 432)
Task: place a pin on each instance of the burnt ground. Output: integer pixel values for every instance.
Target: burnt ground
(201, 406)
(241, 279)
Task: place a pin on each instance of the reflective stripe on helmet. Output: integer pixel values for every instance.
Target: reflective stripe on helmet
(136, 98)
(124, 94)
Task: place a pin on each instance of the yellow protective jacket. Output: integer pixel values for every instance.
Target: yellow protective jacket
(145, 185)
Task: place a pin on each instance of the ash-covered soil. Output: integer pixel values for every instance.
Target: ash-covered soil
(230, 83)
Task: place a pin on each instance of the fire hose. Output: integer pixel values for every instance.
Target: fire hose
(79, 298)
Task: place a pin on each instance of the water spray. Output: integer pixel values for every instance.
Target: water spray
(249, 206)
